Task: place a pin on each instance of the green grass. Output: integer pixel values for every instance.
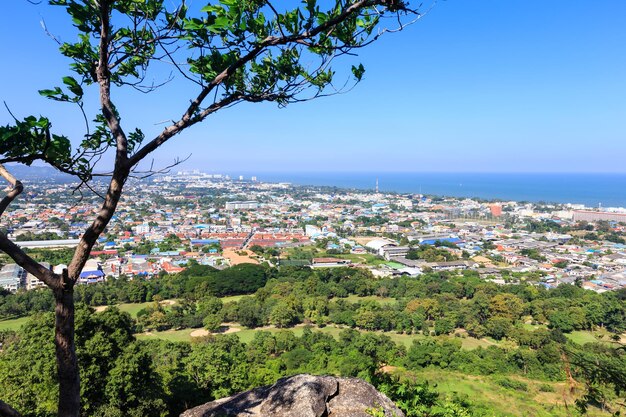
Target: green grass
(533, 327)
(246, 335)
(169, 335)
(133, 308)
(232, 298)
(485, 393)
(589, 336)
(470, 343)
(13, 324)
(366, 258)
(356, 299)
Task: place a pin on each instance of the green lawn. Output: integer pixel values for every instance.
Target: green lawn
(533, 327)
(246, 335)
(133, 308)
(356, 299)
(13, 324)
(589, 336)
(170, 335)
(365, 258)
(232, 298)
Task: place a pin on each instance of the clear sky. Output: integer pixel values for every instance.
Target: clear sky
(486, 85)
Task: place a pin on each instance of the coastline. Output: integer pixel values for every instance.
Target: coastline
(593, 190)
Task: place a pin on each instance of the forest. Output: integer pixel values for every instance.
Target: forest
(523, 335)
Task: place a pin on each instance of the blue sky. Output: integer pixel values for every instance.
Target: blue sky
(503, 86)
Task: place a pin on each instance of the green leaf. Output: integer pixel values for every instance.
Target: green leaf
(358, 72)
(73, 86)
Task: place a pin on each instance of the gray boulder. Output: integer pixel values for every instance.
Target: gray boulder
(302, 396)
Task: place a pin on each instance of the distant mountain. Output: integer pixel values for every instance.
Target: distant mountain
(33, 172)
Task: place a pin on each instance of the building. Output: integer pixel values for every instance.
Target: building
(32, 281)
(496, 210)
(242, 205)
(594, 216)
(12, 277)
(329, 262)
(377, 245)
(389, 252)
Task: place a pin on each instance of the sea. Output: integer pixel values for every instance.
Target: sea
(594, 190)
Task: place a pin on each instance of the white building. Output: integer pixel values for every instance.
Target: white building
(12, 277)
(242, 205)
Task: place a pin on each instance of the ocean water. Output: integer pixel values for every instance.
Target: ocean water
(592, 190)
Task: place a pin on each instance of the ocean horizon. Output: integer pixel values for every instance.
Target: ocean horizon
(591, 189)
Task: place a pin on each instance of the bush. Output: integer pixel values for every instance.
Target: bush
(511, 384)
(546, 388)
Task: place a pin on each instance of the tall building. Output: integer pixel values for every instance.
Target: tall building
(496, 210)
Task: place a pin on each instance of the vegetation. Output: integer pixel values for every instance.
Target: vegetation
(235, 51)
(455, 323)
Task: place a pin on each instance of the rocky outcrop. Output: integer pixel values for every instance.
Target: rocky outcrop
(303, 396)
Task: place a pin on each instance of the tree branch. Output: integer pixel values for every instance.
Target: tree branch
(104, 79)
(7, 411)
(190, 117)
(15, 252)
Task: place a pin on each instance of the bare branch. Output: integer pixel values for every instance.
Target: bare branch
(151, 172)
(42, 22)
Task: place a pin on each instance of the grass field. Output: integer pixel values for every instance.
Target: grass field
(133, 308)
(231, 298)
(581, 337)
(365, 258)
(485, 393)
(13, 324)
(356, 299)
(170, 335)
(592, 336)
(533, 327)
(246, 335)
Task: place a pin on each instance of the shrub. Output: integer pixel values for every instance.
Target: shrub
(511, 384)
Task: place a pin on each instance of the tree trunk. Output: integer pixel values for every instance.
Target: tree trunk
(67, 365)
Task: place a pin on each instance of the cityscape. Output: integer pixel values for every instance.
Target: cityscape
(214, 220)
(348, 208)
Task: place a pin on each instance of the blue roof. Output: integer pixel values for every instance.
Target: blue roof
(204, 241)
(447, 239)
(96, 273)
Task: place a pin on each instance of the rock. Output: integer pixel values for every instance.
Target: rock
(302, 396)
(355, 396)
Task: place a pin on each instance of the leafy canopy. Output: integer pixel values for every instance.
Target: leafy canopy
(233, 50)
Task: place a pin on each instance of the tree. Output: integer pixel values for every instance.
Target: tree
(235, 51)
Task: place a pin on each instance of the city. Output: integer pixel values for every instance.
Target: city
(214, 220)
